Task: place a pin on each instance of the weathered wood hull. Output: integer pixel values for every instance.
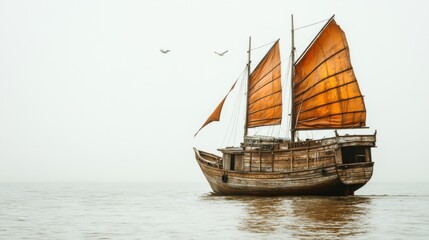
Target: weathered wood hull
(329, 178)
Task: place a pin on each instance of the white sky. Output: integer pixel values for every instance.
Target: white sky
(85, 94)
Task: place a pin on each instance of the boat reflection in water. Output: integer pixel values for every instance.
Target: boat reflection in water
(327, 217)
(305, 217)
(264, 214)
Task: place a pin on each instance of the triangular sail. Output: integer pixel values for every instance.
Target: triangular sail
(215, 116)
(265, 93)
(326, 92)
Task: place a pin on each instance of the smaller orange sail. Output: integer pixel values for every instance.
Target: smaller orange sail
(215, 116)
(265, 91)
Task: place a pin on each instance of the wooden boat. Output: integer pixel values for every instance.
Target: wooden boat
(325, 95)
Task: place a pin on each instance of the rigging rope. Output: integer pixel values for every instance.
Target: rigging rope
(309, 25)
(233, 120)
(238, 112)
(263, 45)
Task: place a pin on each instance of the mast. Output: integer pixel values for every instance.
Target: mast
(247, 94)
(292, 76)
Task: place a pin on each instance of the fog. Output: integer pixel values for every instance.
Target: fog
(86, 95)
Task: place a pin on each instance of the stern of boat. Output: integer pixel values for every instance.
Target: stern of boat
(354, 160)
(355, 173)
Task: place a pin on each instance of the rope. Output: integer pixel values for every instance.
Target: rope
(233, 120)
(263, 45)
(309, 25)
(238, 112)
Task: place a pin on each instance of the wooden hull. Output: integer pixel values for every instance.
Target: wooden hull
(330, 179)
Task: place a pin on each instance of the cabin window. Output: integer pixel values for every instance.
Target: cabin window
(232, 164)
(353, 154)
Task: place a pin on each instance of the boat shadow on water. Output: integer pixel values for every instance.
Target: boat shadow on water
(303, 217)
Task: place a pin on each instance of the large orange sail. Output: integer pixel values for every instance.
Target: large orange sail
(265, 93)
(326, 93)
(215, 116)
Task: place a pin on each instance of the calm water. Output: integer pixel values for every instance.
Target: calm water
(190, 211)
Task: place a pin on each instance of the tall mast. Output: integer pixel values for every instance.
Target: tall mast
(247, 94)
(292, 115)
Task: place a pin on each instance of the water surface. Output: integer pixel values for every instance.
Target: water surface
(191, 211)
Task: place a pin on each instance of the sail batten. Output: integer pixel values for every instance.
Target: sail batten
(263, 109)
(336, 120)
(262, 77)
(264, 122)
(335, 114)
(255, 100)
(328, 58)
(326, 92)
(265, 84)
(264, 102)
(329, 103)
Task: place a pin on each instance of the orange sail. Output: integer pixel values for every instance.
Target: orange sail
(265, 93)
(326, 93)
(215, 116)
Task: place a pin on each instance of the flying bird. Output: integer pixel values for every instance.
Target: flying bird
(164, 51)
(221, 54)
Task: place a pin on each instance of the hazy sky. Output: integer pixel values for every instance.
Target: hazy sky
(86, 95)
